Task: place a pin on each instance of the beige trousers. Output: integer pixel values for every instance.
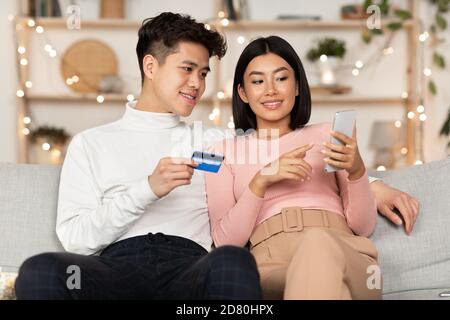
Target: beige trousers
(320, 259)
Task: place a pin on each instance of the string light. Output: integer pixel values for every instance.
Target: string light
(26, 131)
(52, 53)
(46, 146)
(427, 72)
(225, 22)
(216, 111)
(355, 72)
(21, 50)
(220, 95)
(69, 81)
(418, 162)
(27, 120)
(405, 95)
(221, 14)
(231, 123)
(75, 79)
(359, 64)
(23, 62)
(420, 109)
(20, 93)
(423, 117)
(211, 116)
(48, 48)
(241, 40)
(31, 23)
(381, 168)
(207, 26)
(323, 58)
(56, 153)
(404, 151)
(100, 98)
(388, 50)
(423, 36)
(28, 84)
(411, 115)
(40, 29)
(130, 97)
(398, 124)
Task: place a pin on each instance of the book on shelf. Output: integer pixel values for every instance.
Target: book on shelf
(42, 8)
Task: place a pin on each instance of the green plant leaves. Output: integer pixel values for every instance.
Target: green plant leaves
(403, 14)
(366, 36)
(439, 60)
(432, 87)
(53, 134)
(328, 46)
(441, 22)
(445, 130)
(394, 26)
(443, 5)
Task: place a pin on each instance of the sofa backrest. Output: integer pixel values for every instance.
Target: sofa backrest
(422, 260)
(28, 200)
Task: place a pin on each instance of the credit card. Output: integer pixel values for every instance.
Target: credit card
(207, 161)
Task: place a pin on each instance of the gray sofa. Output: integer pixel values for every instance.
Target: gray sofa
(413, 267)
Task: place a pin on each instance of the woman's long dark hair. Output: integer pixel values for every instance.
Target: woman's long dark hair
(243, 115)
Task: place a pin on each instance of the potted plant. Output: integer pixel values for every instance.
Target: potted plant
(49, 144)
(327, 54)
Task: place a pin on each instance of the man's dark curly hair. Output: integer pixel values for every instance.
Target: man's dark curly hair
(160, 35)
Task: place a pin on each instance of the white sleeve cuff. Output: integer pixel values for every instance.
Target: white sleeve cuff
(142, 193)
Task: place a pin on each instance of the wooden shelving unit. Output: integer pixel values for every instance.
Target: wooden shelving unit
(119, 98)
(412, 30)
(252, 25)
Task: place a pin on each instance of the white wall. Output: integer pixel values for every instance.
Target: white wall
(8, 84)
(386, 79)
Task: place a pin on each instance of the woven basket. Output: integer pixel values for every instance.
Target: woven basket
(91, 61)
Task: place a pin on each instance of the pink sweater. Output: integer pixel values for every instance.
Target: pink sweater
(235, 210)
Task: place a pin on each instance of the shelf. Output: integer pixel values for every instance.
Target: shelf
(91, 24)
(90, 97)
(319, 99)
(244, 24)
(304, 24)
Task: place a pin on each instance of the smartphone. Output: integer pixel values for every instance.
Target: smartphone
(343, 122)
(207, 161)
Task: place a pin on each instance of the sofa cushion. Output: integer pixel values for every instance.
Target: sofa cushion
(28, 203)
(420, 261)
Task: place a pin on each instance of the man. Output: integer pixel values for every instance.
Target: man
(123, 197)
(133, 219)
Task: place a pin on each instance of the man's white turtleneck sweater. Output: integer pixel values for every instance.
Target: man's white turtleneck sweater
(104, 194)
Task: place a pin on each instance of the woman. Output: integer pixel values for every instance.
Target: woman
(306, 228)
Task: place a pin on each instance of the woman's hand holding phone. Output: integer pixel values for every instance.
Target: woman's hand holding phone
(345, 156)
(289, 166)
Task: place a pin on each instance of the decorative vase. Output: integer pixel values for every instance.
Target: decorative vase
(328, 71)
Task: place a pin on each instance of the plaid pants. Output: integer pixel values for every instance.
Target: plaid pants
(154, 266)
